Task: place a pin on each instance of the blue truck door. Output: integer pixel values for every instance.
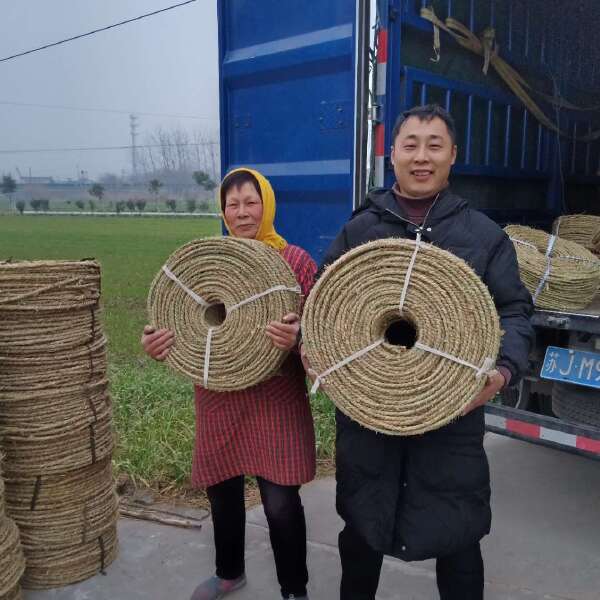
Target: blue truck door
(293, 84)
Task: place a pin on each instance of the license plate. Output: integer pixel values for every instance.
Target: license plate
(573, 366)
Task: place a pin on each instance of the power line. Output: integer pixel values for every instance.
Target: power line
(76, 37)
(88, 148)
(104, 110)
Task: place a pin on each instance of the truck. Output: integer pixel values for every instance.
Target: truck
(309, 92)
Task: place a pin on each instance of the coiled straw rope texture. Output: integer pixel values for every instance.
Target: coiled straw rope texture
(392, 389)
(223, 272)
(560, 274)
(12, 561)
(583, 229)
(56, 419)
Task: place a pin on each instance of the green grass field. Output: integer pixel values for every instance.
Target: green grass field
(154, 413)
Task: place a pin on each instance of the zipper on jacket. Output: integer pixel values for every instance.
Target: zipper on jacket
(420, 228)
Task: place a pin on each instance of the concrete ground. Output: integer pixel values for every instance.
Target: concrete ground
(544, 545)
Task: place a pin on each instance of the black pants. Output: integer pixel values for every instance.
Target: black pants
(459, 576)
(287, 530)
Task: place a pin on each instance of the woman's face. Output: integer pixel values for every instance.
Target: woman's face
(243, 211)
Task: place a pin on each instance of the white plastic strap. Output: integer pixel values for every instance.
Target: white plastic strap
(277, 288)
(522, 242)
(551, 243)
(342, 363)
(411, 264)
(546, 274)
(488, 363)
(557, 225)
(184, 287)
(207, 355)
(543, 280)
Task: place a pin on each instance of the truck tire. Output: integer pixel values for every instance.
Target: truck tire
(576, 404)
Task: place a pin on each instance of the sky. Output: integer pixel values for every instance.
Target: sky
(165, 64)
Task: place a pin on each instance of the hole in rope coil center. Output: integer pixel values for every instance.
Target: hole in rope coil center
(400, 332)
(215, 314)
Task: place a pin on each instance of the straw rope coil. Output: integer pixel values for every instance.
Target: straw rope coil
(12, 561)
(56, 430)
(56, 419)
(583, 229)
(559, 274)
(58, 511)
(391, 388)
(57, 567)
(14, 594)
(218, 295)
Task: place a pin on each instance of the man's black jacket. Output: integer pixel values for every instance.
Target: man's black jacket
(418, 497)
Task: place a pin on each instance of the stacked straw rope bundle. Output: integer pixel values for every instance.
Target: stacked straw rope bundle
(560, 274)
(12, 561)
(56, 419)
(218, 295)
(425, 383)
(583, 229)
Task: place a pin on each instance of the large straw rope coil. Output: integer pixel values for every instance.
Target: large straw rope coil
(12, 561)
(559, 274)
(583, 229)
(56, 430)
(231, 276)
(391, 388)
(57, 567)
(68, 509)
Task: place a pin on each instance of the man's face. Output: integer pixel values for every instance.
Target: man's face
(422, 155)
(243, 211)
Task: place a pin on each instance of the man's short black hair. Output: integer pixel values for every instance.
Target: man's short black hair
(426, 113)
(236, 180)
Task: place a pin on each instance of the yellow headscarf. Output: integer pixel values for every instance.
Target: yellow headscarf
(266, 231)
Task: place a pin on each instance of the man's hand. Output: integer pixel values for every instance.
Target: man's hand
(495, 382)
(157, 342)
(284, 333)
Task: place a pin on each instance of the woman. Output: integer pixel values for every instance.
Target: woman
(266, 430)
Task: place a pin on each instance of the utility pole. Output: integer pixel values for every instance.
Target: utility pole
(133, 126)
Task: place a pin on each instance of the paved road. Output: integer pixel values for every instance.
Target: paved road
(544, 545)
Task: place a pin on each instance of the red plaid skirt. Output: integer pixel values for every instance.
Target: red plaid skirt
(266, 430)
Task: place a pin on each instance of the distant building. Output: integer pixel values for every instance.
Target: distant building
(36, 180)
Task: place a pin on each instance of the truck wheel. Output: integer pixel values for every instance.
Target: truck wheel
(576, 404)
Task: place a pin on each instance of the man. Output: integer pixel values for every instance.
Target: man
(427, 496)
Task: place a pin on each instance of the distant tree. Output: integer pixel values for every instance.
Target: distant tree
(191, 204)
(20, 205)
(40, 204)
(172, 204)
(97, 190)
(203, 179)
(130, 205)
(120, 206)
(92, 205)
(204, 205)
(140, 205)
(8, 186)
(154, 186)
(80, 204)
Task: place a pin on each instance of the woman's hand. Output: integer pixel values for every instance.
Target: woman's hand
(284, 333)
(157, 342)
